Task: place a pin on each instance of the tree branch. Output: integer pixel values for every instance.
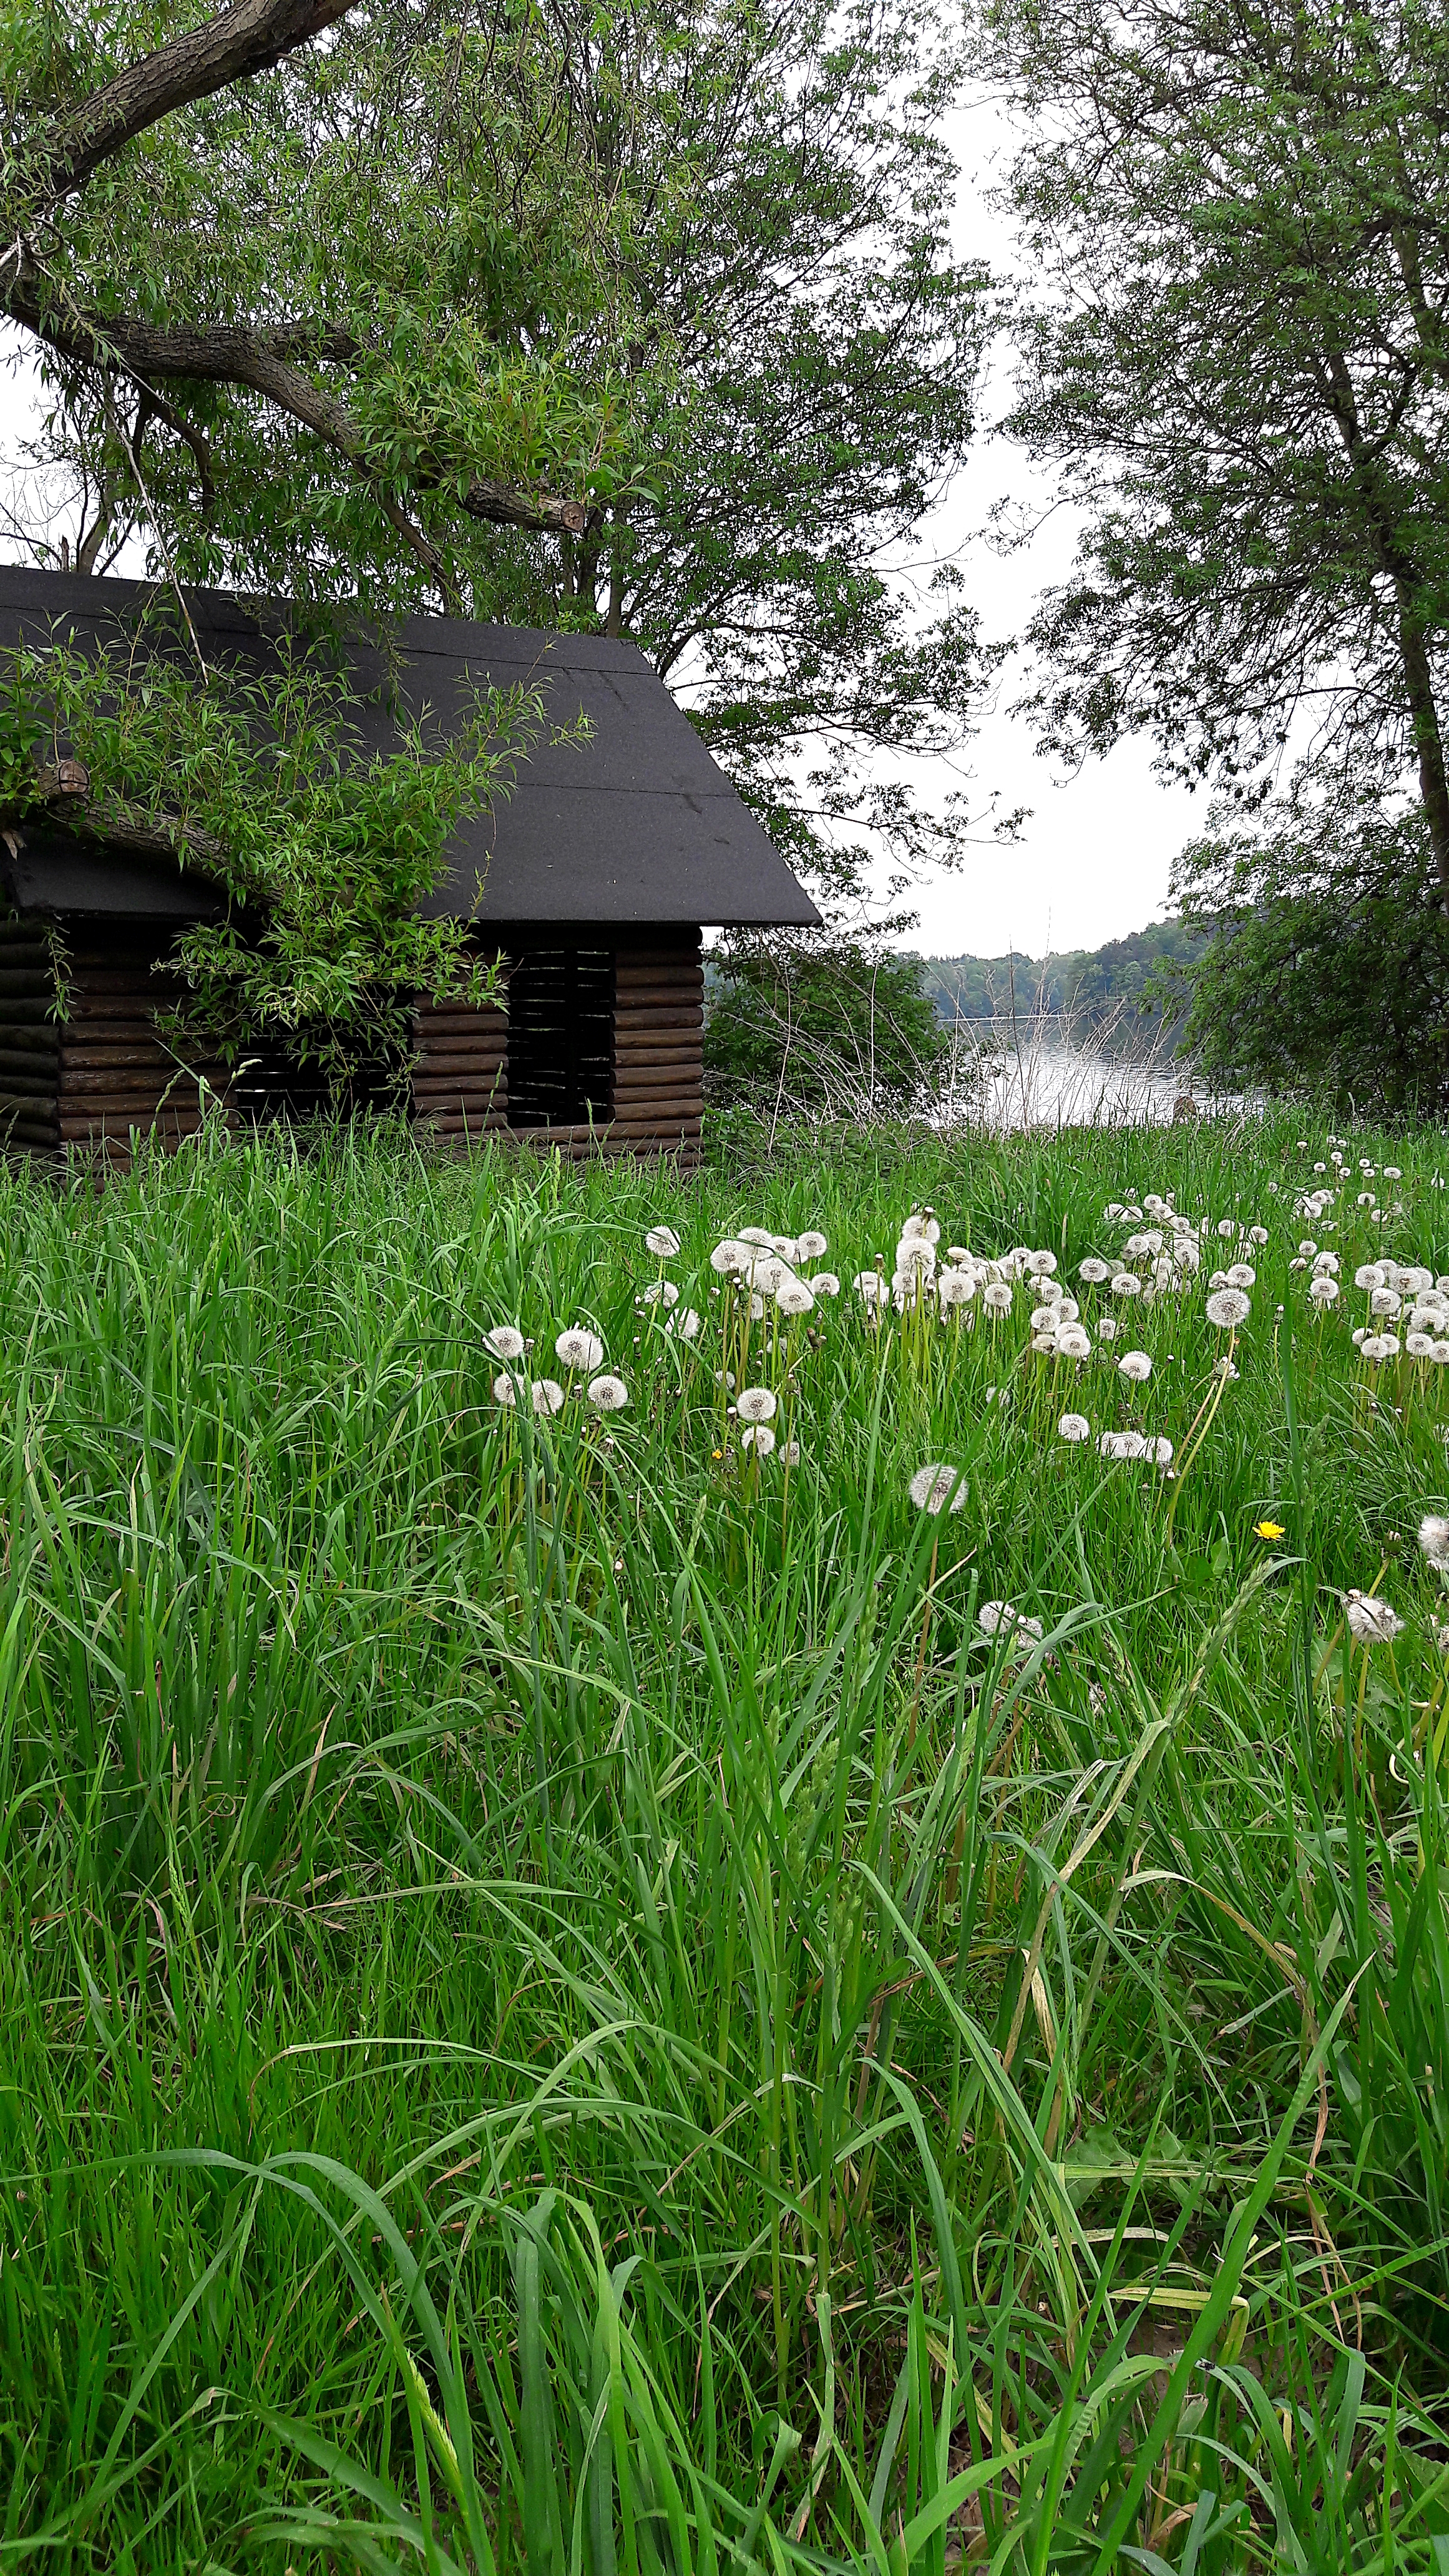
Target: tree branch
(249, 37)
(264, 362)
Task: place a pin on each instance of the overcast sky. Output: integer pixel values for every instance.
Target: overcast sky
(1093, 860)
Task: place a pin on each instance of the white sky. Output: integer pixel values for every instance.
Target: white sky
(1093, 859)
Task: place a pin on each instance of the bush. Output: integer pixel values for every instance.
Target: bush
(1328, 968)
(822, 1023)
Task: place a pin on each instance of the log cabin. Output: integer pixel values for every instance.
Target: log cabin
(593, 883)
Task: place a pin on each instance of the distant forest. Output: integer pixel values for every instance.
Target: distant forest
(1104, 993)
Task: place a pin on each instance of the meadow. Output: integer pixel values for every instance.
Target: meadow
(821, 1945)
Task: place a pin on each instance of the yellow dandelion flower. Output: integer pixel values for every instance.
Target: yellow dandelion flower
(1269, 1529)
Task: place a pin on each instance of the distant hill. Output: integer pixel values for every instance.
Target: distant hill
(1097, 991)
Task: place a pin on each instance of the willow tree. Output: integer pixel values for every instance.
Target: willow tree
(1234, 341)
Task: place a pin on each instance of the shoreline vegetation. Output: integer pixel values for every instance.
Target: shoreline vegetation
(734, 1872)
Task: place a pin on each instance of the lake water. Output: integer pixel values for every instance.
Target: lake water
(1046, 1083)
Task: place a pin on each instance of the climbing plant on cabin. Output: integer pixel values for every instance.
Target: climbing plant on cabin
(260, 782)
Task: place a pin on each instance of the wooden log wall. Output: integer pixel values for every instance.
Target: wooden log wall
(90, 1079)
(658, 1045)
(459, 1080)
(116, 1071)
(29, 1038)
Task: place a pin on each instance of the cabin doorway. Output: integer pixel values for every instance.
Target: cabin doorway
(561, 1037)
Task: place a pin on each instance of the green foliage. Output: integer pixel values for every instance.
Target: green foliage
(1234, 356)
(1110, 996)
(260, 778)
(1327, 968)
(819, 1024)
(563, 2003)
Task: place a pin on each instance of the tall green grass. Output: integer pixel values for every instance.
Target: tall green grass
(566, 2007)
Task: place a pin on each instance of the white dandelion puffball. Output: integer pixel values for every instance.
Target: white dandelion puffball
(1124, 1444)
(953, 1288)
(1142, 1247)
(1242, 1275)
(662, 1241)
(1369, 1275)
(758, 1404)
(1040, 1265)
(794, 1298)
(921, 1229)
(1227, 1227)
(1125, 1283)
(932, 1488)
(1392, 1172)
(504, 1391)
(547, 1395)
(1067, 1310)
(1419, 1346)
(824, 1284)
(1227, 1308)
(1043, 1319)
(1434, 1540)
(1074, 1342)
(504, 1343)
(729, 1257)
(758, 1235)
(1159, 1451)
(1370, 1620)
(1094, 1271)
(1074, 1427)
(757, 1307)
(1379, 1347)
(790, 1451)
(1107, 1328)
(759, 1437)
(813, 1246)
(914, 1253)
(578, 1349)
(1135, 1365)
(787, 1248)
(1385, 1301)
(869, 1285)
(661, 1292)
(608, 1394)
(1045, 1343)
(1001, 1618)
(1323, 1290)
(687, 1325)
(997, 1297)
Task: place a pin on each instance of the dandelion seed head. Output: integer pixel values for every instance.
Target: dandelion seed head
(505, 1342)
(1002, 1618)
(813, 1245)
(758, 1404)
(759, 1437)
(608, 1394)
(1227, 1308)
(1135, 1365)
(661, 1292)
(662, 1241)
(794, 1298)
(504, 1391)
(1074, 1427)
(1434, 1540)
(1242, 1275)
(547, 1395)
(1074, 1342)
(997, 1297)
(579, 1349)
(1370, 1620)
(933, 1487)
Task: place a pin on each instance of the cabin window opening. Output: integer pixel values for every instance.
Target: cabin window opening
(560, 1037)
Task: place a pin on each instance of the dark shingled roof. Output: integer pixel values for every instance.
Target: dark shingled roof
(638, 825)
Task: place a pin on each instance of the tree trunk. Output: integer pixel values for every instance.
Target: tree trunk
(1428, 735)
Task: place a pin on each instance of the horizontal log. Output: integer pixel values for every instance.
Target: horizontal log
(660, 988)
(108, 1129)
(40, 1045)
(26, 984)
(658, 1046)
(660, 958)
(444, 1059)
(26, 1081)
(640, 1023)
(27, 1013)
